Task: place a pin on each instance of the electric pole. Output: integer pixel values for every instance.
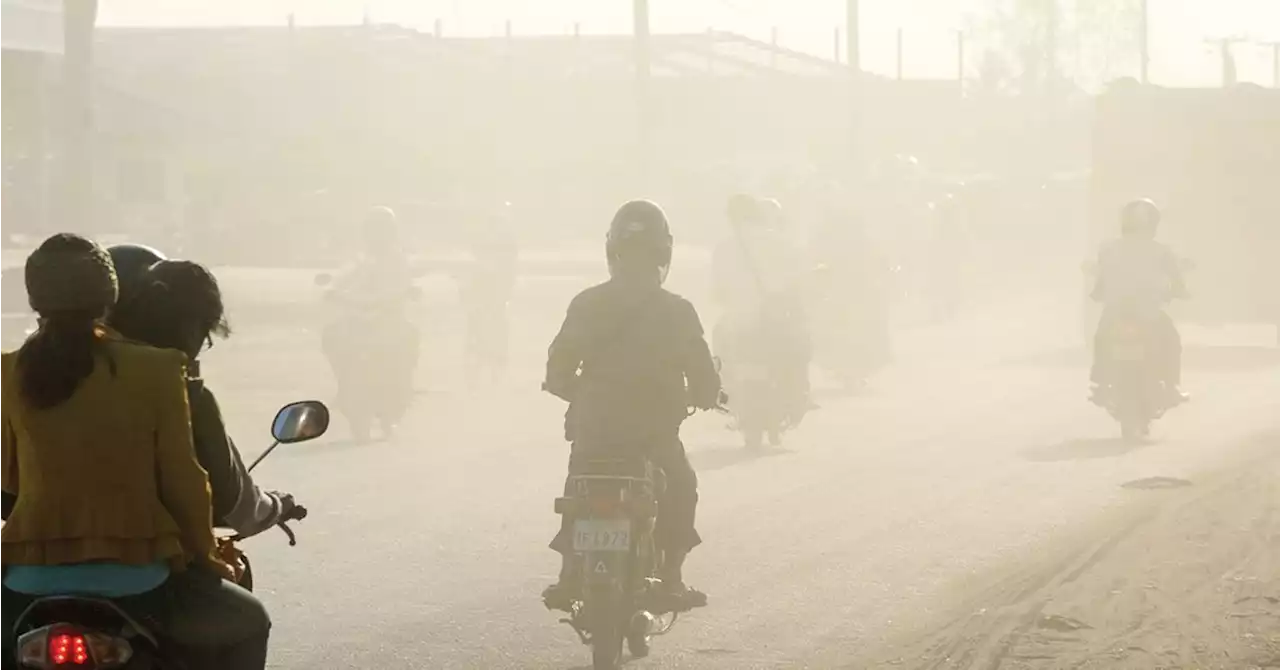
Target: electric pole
(1275, 62)
(1144, 45)
(643, 57)
(854, 91)
(1050, 45)
(73, 188)
(853, 44)
(1229, 73)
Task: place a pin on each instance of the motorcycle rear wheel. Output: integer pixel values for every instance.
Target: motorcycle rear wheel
(639, 636)
(606, 630)
(1133, 430)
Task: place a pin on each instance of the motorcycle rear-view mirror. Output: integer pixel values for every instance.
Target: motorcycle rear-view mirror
(300, 421)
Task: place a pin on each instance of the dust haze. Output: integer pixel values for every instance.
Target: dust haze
(946, 496)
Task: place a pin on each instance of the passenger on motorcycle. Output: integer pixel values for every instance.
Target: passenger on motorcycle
(622, 360)
(111, 500)
(759, 282)
(1136, 276)
(178, 305)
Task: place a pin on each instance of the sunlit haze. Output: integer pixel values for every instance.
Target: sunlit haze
(1179, 28)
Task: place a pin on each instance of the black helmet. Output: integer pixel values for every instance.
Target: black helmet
(1139, 217)
(743, 209)
(381, 229)
(132, 261)
(639, 235)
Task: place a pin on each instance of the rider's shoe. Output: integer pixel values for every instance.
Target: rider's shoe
(1175, 396)
(680, 597)
(1098, 395)
(562, 594)
(673, 589)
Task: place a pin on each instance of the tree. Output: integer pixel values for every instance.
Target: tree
(1047, 41)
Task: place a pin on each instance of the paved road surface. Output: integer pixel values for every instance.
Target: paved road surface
(976, 453)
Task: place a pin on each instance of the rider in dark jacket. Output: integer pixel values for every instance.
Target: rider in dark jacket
(631, 359)
(178, 305)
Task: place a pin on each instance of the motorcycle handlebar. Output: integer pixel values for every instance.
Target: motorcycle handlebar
(293, 539)
(298, 513)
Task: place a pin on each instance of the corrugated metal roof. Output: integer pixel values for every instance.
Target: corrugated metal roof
(714, 53)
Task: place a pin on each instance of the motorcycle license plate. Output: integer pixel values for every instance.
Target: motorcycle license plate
(602, 535)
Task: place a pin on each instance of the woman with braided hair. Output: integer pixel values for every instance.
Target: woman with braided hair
(109, 499)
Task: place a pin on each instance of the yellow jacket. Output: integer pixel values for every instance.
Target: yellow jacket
(111, 474)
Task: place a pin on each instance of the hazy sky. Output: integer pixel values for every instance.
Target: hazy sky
(1179, 27)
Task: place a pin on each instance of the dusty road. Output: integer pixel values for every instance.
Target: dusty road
(973, 477)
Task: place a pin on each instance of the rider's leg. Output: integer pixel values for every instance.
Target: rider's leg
(674, 532)
(562, 544)
(1171, 353)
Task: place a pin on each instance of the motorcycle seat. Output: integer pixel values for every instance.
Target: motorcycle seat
(635, 466)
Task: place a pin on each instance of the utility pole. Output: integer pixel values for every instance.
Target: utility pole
(899, 54)
(1275, 62)
(1050, 45)
(855, 93)
(1275, 65)
(1144, 45)
(73, 188)
(853, 33)
(1229, 74)
(643, 58)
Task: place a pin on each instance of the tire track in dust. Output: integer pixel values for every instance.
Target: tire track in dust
(1004, 614)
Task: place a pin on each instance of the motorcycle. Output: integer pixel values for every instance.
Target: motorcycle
(372, 347)
(757, 382)
(1134, 394)
(614, 504)
(93, 633)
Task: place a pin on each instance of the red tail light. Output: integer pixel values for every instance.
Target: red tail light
(63, 646)
(605, 506)
(68, 648)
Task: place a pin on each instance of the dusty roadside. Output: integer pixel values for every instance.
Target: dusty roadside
(1189, 579)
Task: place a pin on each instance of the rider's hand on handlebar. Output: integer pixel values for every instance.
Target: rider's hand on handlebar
(289, 509)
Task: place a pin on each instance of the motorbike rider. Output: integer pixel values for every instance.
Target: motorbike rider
(757, 280)
(622, 359)
(374, 292)
(110, 499)
(178, 305)
(1136, 276)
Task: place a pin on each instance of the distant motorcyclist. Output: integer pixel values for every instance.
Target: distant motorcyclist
(371, 337)
(631, 359)
(759, 283)
(383, 268)
(178, 305)
(852, 283)
(1137, 276)
(947, 253)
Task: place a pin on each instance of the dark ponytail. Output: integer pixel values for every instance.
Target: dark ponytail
(71, 283)
(53, 362)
